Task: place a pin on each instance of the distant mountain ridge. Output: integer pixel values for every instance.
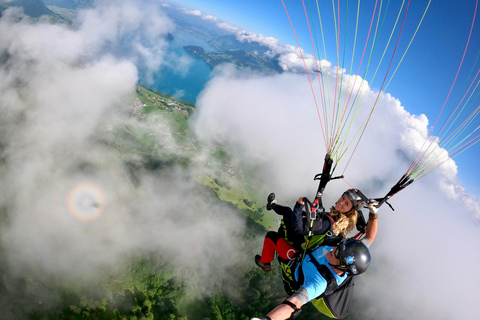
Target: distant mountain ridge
(240, 58)
(69, 4)
(231, 41)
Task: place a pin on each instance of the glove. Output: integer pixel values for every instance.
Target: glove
(372, 207)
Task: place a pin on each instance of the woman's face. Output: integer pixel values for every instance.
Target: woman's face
(344, 204)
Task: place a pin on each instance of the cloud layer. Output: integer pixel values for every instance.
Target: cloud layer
(72, 203)
(272, 121)
(61, 90)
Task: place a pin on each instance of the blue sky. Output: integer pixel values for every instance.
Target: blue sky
(433, 58)
(427, 72)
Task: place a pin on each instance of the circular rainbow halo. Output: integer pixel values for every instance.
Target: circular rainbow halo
(86, 202)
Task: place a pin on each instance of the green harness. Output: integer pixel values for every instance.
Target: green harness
(335, 302)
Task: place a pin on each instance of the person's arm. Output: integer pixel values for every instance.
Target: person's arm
(372, 228)
(372, 225)
(283, 311)
(296, 219)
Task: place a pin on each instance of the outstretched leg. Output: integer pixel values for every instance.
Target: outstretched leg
(280, 210)
(271, 200)
(273, 243)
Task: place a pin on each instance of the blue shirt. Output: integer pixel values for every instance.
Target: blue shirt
(314, 283)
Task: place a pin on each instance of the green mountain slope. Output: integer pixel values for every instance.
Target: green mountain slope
(32, 8)
(155, 139)
(36, 9)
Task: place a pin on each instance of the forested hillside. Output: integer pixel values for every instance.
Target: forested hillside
(154, 284)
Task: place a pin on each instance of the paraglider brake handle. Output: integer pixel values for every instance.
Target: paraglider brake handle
(324, 179)
(321, 175)
(379, 200)
(384, 200)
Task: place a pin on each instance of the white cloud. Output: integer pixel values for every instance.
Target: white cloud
(58, 87)
(289, 57)
(63, 90)
(272, 122)
(227, 26)
(197, 13)
(134, 31)
(209, 17)
(252, 37)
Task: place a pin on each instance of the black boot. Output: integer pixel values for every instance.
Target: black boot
(270, 200)
(265, 266)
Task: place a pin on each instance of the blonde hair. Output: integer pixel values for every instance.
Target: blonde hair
(345, 221)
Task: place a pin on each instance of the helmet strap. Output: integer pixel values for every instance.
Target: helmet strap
(339, 267)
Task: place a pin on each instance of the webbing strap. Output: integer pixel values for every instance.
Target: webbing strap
(316, 209)
(311, 216)
(326, 274)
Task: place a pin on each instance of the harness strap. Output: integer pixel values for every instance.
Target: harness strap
(326, 274)
(311, 216)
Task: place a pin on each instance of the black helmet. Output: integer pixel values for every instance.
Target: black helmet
(354, 256)
(355, 198)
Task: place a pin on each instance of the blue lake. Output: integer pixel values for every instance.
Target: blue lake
(189, 83)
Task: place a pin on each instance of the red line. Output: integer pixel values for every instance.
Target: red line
(469, 117)
(418, 158)
(364, 49)
(463, 147)
(459, 105)
(316, 64)
(336, 74)
(461, 63)
(388, 70)
(306, 69)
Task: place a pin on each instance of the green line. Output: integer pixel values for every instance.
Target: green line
(466, 102)
(318, 58)
(337, 41)
(337, 128)
(325, 105)
(355, 106)
(408, 47)
(403, 56)
(465, 125)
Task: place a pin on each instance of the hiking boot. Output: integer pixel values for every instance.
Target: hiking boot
(271, 200)
(265, 266)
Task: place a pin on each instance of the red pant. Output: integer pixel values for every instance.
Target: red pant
(274, 243)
